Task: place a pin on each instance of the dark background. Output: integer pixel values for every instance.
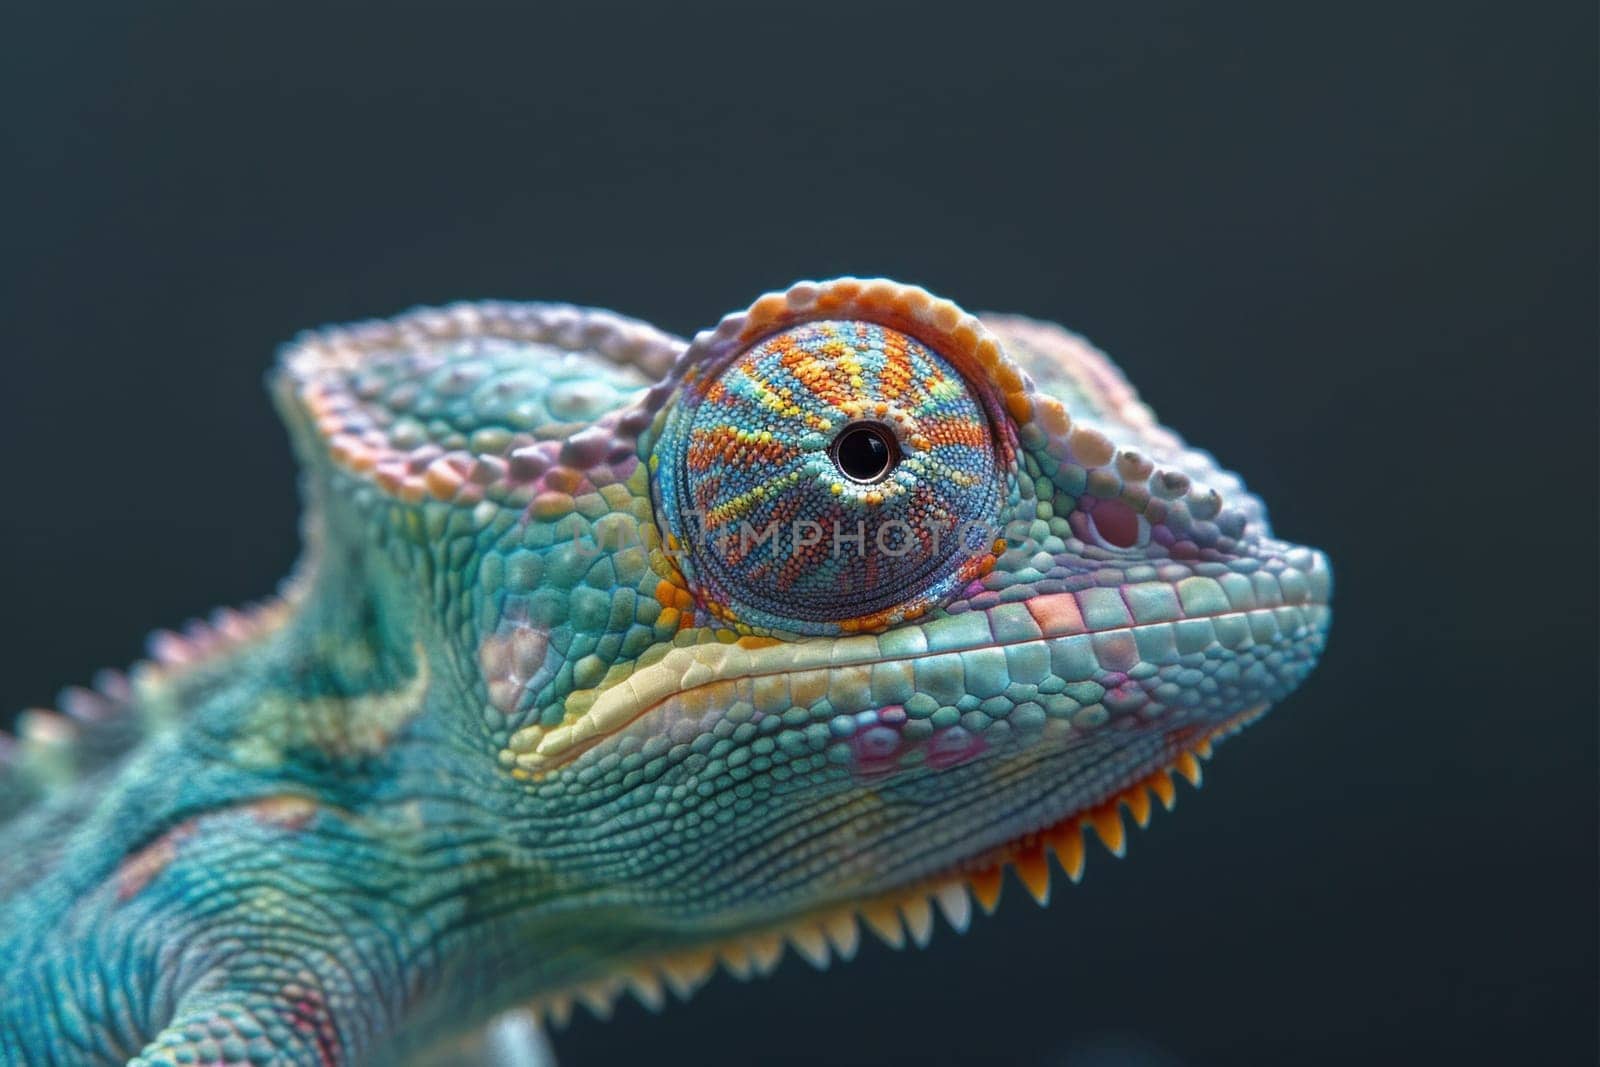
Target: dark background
(1348, 247)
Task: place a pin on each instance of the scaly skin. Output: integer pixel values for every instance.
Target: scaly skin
(532, 723)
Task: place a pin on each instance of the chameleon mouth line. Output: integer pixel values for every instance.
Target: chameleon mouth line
(1056, 617)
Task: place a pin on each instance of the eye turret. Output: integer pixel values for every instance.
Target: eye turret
(834, 475)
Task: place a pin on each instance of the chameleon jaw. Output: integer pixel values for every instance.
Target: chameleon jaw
(905, 915)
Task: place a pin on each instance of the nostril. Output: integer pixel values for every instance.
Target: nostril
(1116, 524)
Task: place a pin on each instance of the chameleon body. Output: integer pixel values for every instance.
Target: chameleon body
(612, 657)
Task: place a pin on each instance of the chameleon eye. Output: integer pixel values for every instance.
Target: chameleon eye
(866, 452)
(835, 475)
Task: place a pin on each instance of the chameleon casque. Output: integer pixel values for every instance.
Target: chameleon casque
(610, 658)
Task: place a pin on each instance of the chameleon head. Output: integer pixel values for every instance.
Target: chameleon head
(863, 599)
(942, 587)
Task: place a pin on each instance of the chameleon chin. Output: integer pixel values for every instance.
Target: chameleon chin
(613, 658)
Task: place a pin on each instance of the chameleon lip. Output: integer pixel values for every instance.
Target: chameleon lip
(683, 670)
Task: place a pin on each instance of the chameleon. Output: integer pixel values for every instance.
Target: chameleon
(612, 658)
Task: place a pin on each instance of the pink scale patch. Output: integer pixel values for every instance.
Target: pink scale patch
(879, 745)
(1117, 523)
(510, 660)
(954, 746)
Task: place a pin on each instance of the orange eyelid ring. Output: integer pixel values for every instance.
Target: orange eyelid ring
(955, 334)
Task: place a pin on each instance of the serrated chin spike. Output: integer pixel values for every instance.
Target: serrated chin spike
(1161, 785)
(1189, 767)
(1203, 749)
(598, 997)
(986, 888)
(843, 934)
(884, 920)
(812, 945)
(646, 989)
(918, 915)
(736, 960)
(1033, 871)
(685, 974)
(1107, 823)
(766, 952)
(1067, 843)
(1138, 801)
(955, 905)
(558, 1010)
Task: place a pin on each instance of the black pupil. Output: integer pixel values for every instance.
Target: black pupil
(864, 453)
